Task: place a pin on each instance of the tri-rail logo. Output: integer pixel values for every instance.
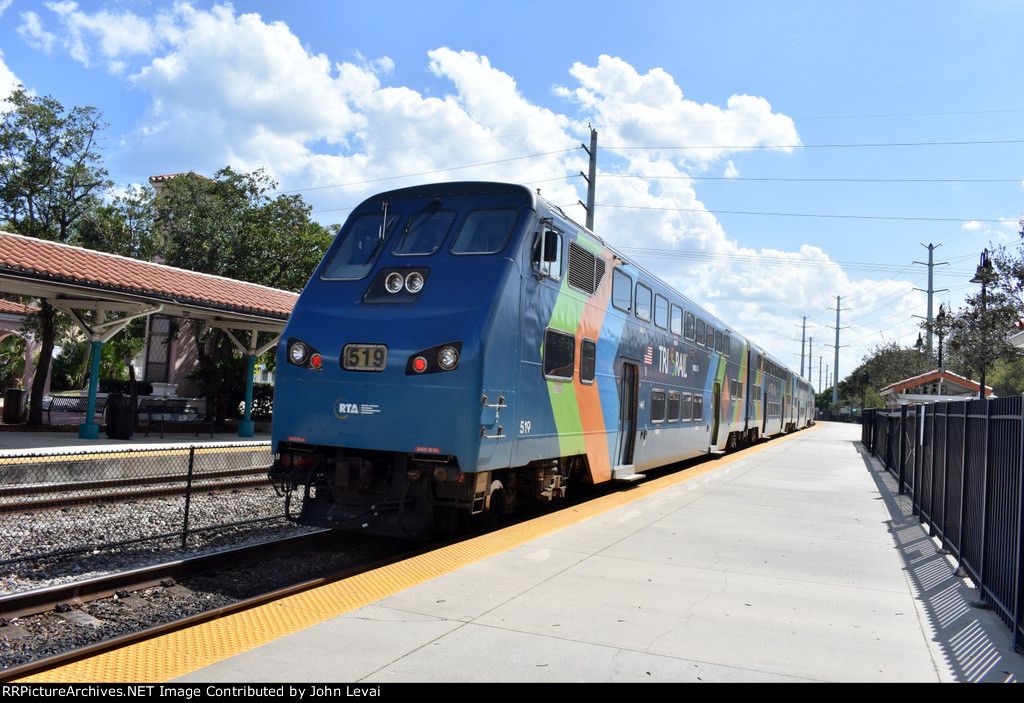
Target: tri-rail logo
(343, 409)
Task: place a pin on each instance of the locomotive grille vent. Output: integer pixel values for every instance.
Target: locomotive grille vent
(585, 269)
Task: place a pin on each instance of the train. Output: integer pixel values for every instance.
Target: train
(465, 350)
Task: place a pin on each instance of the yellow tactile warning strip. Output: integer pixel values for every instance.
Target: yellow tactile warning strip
(177, 653)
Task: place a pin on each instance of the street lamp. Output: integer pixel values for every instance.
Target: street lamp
(982, 276)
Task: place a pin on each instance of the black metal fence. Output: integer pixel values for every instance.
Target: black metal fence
(962, 464)
(61, 504)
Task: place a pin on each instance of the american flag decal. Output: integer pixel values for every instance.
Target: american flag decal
(649, 356)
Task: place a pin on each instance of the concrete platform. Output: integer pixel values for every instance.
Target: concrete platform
(17, 443)
(792, 563)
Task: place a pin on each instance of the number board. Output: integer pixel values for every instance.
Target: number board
(364, 357)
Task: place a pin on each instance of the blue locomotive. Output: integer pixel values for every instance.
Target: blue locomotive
(466, 348)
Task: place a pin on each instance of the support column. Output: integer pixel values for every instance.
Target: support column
(90, 429)
(247, 428)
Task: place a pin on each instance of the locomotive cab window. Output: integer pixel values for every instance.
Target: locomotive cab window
(356, 248)
(559, 354)
(485, 231)
(661, 312)
(657, 405)
(424, 233)
(547, 254)
(622, 291)
(588, 360)
(676, 320)
(643, 302)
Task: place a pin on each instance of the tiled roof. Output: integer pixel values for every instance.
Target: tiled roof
(43, 260)
(934, 375)
(9, 307)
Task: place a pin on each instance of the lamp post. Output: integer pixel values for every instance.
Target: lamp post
(982, 276)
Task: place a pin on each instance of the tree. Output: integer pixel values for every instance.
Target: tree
(50, 175)
(232, 227)
(884, 365)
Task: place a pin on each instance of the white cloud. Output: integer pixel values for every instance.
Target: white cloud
(230, 88)
(8, 81)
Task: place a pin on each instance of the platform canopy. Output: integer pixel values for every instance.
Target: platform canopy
(88, 284)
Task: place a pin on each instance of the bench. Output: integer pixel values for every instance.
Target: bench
(173, 411)
(71, 404)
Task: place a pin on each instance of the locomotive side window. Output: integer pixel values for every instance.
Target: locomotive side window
(485, 231)
(622, 291)
(686, 411)
(661, 312)
(643, 302)
(676, 320)
(718, 341)
(657, 405)
(673, 406)
(698, 408)
(559, 354)
(689, 326)
(356, 248)
(424, 233)
(700, 332)
(588, 360)
(547, 254)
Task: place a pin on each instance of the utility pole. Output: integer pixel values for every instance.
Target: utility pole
(591, 179)
(835, 368)
(803, 336)
(810, 361)
(931, 290)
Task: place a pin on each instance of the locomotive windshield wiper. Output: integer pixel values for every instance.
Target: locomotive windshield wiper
(383, 221)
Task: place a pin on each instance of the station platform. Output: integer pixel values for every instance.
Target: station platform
(17, 442)
(792, 561)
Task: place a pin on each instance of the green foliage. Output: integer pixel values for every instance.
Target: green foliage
(50, 171)
(232, 227)
(12, 361)
(884, 365)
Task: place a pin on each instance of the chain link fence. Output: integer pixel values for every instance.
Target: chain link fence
(64, 504)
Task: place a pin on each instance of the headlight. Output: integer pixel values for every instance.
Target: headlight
(393, 283)
(448, 358)
(297, 352)
(414, 282)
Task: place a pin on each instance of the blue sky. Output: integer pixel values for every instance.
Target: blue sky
(763, 157)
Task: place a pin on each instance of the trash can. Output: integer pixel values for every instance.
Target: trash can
(120, 416)
(14, 405)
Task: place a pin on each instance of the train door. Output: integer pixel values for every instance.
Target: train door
(627, 413)
(716, 413)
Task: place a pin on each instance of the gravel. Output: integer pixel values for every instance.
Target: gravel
(27, 639)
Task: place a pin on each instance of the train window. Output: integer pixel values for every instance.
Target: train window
(424, 233)
(657, 406)
(547, 254)
(643, 302)
(718, 341)
(728, 346)
(559, 353)
(661, 312)
(485, 231)
(700, 332)
(686, 409)
(698, 408)
(588, 360)
(673, 406)
(622, 291)
(689, 325)
(357, 247)
(676, 320)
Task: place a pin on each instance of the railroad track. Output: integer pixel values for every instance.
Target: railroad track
(168, 575)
